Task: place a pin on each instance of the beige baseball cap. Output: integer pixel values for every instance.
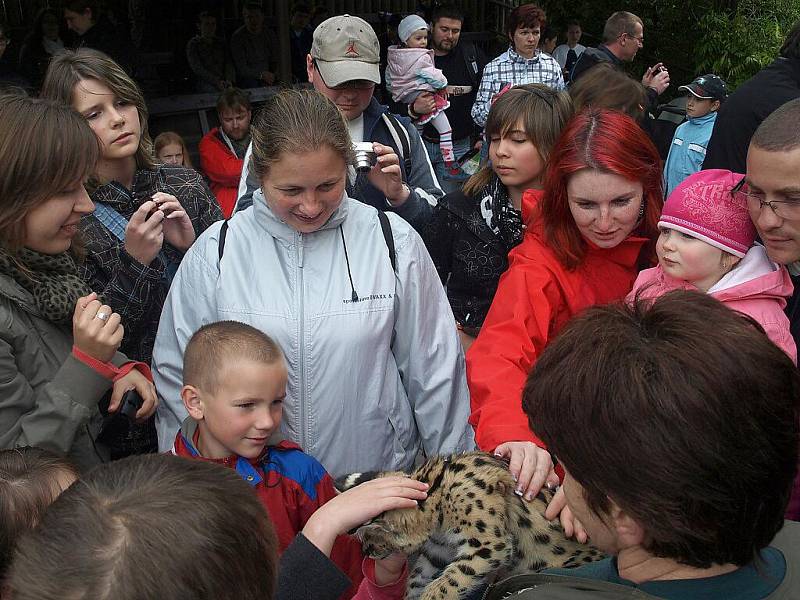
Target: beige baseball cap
(345, 49)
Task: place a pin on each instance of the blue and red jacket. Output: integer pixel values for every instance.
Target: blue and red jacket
(291, 485)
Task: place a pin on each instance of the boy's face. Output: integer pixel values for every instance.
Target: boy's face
(243, 412)
(700, 107)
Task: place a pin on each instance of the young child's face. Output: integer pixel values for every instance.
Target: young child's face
(244, 411)
(515, 158)
(699, 107)
(418, 39)
(690, 259)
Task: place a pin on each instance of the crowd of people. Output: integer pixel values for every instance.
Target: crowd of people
(189, 355)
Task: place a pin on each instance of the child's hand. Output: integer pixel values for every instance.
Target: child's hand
(572, 526)
(389, 569)
(360, 504)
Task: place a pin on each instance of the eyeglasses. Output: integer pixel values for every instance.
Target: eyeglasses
(639, 39)
(355, 84)
(785, 209)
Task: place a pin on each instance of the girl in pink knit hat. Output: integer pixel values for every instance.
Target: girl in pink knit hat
(707, 243)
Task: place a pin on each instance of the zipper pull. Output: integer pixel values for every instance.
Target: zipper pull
(300, 250)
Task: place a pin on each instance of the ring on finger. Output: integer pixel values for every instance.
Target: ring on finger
(102, 316)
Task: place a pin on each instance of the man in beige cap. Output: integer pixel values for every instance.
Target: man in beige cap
(343, 65)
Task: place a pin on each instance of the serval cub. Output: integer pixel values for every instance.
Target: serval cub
(471, 525)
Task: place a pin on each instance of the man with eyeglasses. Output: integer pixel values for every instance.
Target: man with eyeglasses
(623, 37)
(343, 65)
(772, 190)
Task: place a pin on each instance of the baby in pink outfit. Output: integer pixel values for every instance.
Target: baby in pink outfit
(707, 243)
(410, 71)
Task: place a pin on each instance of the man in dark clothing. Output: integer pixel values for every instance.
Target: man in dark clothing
(751, 103)
(95, 30)
(462, 63)
(773, 194)
(623, 37)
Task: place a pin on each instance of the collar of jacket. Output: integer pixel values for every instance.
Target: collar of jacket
(625, 254)
(245, 468)
(270, 222)
(372, 114)
(611, 56)
(704, 119)
(515, 56)
(126, 201)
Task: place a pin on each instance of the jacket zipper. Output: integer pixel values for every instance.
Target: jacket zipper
(301, 347)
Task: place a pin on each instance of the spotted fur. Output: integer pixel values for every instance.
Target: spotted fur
(471, 526)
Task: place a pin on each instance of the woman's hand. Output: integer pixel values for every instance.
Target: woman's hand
(96, 329)
(144, 234)
(177, 226)
(530, 465)
(387, 176)
(558, 508)
(360, 504)
(134, 380)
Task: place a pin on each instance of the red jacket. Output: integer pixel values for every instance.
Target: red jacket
(536, 296)
(291, 485)
(222, 168)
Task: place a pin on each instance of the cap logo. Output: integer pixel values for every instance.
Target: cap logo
(351, 51)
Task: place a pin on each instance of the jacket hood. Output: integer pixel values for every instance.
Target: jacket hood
(189, 430)
(755, 277)
(277, 228)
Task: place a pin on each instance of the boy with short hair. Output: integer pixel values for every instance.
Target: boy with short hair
(234, 384)
(688, 149)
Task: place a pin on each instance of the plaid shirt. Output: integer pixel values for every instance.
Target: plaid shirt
(512, 68)
(136, 291)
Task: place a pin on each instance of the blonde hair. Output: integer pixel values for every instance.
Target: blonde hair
(45, 147)
(165, 138)
(543, 113)
(298, 122)
(67, 69)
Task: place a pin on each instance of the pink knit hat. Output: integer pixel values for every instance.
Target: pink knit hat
(703, 207)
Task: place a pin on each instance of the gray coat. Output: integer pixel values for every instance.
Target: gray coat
(371, 381)
(48, 398)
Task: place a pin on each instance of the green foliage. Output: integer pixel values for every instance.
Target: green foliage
(738, 46)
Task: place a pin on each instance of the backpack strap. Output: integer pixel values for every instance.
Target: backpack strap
(386, 228)
(400, 137)
(223, 233)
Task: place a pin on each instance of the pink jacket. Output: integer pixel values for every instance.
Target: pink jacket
(756, 287)
(410, 71)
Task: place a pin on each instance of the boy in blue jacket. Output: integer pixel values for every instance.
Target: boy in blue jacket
(688, 150)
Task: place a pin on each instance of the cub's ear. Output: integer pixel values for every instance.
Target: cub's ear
(345, 482)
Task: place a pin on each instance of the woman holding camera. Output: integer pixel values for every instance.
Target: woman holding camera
(58, 342)
(146, 215)
(375, 365)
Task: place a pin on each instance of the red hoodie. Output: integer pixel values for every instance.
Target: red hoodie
(222, 168)
(536, 296)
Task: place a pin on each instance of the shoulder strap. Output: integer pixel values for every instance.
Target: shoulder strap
(111, 219)
(400, 136)
(223, 233)
(386, 228)
(546, 586)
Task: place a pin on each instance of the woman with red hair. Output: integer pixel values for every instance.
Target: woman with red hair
(591, 233)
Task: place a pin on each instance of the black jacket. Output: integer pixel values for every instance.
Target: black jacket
(745, 109)
(469, 257)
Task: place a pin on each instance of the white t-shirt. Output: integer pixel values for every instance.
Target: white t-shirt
(356, 128)
(560, 53)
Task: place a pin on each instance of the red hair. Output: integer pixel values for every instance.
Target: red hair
(608, 141)
(525, 15)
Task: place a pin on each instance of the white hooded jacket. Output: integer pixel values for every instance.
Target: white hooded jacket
(369, 381)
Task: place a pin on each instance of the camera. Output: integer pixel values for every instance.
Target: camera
(130, 404)
(365, 156)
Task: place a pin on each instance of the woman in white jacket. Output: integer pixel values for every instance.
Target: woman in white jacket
(376, 370)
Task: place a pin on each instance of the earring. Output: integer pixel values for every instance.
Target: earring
(641, 211)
